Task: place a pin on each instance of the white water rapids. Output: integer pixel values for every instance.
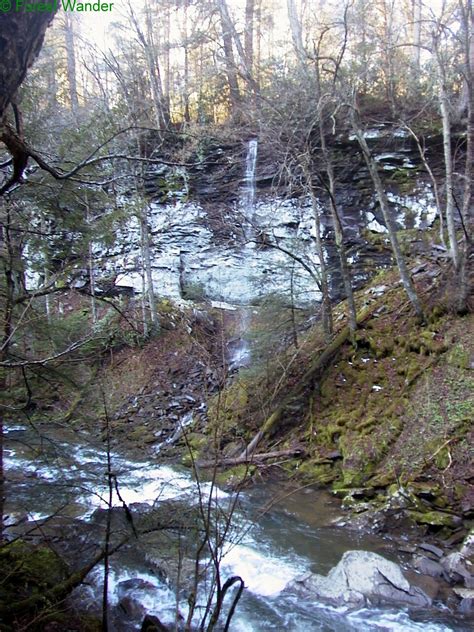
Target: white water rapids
(68, 478)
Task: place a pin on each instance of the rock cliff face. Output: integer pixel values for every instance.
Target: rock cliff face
(232, 242)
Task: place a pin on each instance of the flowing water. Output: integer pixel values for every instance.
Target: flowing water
(61, 474)
(249, 189)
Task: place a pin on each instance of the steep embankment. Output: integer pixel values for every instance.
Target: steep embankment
(392, 411)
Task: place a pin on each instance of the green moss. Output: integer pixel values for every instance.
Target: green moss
(235, 476)
(368, 422)
(26, 570)
(141, 435)
(196, 443)
(459, 357)
(327, 434)
(442, 459)
(227, 410)
(317, 473)
(434, 518)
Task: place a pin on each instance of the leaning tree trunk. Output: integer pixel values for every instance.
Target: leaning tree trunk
(390, 224)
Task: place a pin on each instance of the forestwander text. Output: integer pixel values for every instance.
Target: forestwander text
(23, 6)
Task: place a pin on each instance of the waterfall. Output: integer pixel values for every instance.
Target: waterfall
(249, 188)
(239, 347)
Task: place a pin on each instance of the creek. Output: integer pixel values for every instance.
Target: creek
(54, 472)
(57, 479)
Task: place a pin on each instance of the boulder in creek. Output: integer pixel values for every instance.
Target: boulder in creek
(359, 579)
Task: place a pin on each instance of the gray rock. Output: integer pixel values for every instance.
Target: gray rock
(458, 567)
(466, 595)
(428, 567)
(359, 579)
(467, 549)
(431, 548)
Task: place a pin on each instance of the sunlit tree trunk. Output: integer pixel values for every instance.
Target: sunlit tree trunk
(387, 9)
(187, 115)
(153, 67)
(248, 40)
(230, 64)
(448, 158)
(296, 31)
(167, 64)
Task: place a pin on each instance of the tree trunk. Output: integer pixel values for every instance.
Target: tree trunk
(308, 382)
(416, 37)
(7, 290)
(187, 115)
(231, 67)
(91, 262)
(248, 40)
(145, 241)
(466, 273)
(71, 60)
(21, 38)
(326, 299)
(338, 231)
(448, 158)
(296, 31)
(154, 74)
(434, 183)
(390, 224)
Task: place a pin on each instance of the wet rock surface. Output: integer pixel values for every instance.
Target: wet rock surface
(361, 578)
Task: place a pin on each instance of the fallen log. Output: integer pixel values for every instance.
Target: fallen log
(312, 377)
(254, 458)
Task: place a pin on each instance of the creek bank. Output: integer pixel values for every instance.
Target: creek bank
(387, 425)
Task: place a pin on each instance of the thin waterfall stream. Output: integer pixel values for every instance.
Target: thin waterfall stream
(249, 188)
